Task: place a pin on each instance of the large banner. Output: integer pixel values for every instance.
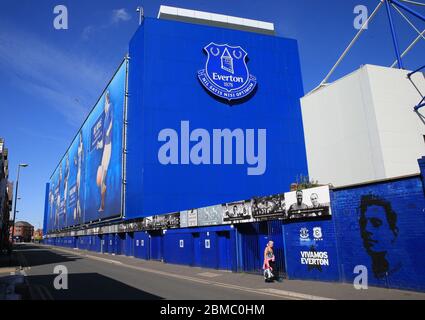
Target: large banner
(238, 211)
(271, 207)
(103, 137)
(209, 216)
(308, 203)
(189, 218)
(87, 184)
(166, 221)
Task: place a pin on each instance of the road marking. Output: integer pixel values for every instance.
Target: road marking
(208, 274)
(269, 292)
(102, 259)
(47, 292)
(294, 294)
(40, 293)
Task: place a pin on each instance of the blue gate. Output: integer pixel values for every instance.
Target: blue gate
(142, 245)
(178, 247)
(253, 238)
(129, 244)
(197, 249)
(111, 243)
(225, 254)
(119, 243)
(156, 247)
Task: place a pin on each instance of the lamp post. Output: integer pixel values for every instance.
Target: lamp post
(22, 165)
(141, 14)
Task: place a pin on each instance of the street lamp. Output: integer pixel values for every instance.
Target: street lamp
(141, 14)
(21, 165)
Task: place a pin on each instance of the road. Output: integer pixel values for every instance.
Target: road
(94, 277)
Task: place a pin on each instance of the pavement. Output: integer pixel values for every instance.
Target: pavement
(96, 276)
(12, 283)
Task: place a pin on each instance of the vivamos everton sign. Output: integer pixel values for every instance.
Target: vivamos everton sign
(226, 74)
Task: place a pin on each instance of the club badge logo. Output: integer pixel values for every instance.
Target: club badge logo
(317, 233)
(226, 74)
(304, 234)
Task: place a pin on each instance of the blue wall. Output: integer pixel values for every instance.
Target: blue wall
(208, 247)
(298, 249)
(404, 251)
(395, 259)
(380, 226)
(164, 90)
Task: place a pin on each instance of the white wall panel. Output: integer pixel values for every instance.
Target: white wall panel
(362, 127)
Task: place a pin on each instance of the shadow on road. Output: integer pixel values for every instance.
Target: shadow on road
(32, 255)
(86, 286)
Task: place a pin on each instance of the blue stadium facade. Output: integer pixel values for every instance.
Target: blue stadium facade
(162, 158)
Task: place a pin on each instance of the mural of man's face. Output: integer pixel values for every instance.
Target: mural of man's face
(377, 234)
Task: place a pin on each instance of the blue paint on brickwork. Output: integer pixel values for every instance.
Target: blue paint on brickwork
(404, 252)
(311, 252)
(380, 226)
(421, 163)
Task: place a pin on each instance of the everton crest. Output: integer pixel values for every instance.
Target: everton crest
(226, 74)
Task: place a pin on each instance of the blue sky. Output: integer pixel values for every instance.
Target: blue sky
(50, 79)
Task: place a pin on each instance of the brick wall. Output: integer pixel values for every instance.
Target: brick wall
(390, 242)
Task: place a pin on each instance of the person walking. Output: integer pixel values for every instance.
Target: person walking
(269, 265)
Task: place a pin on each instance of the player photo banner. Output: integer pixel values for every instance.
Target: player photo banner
(239, 211)
(189, 218)
(209, 216)
(270, 207)
(86, 186)
(308, 203)
(167, 221)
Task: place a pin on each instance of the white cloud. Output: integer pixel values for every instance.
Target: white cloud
(120, 15)
(67, 83)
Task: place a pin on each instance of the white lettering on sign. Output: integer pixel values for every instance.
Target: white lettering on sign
(217, 76)
(319, 258)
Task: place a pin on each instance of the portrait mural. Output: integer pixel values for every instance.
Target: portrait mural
(379, 233)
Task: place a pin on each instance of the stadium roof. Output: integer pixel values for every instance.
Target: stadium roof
(213, 19)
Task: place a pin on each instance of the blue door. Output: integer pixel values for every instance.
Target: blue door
(156, 245)
(119, 243)
(224, 256)
(142, 245)
(251, 244)
(253, 240)
(111, 244)
(104, 244)
(197, 256)
(209, 250)
(129, 244)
